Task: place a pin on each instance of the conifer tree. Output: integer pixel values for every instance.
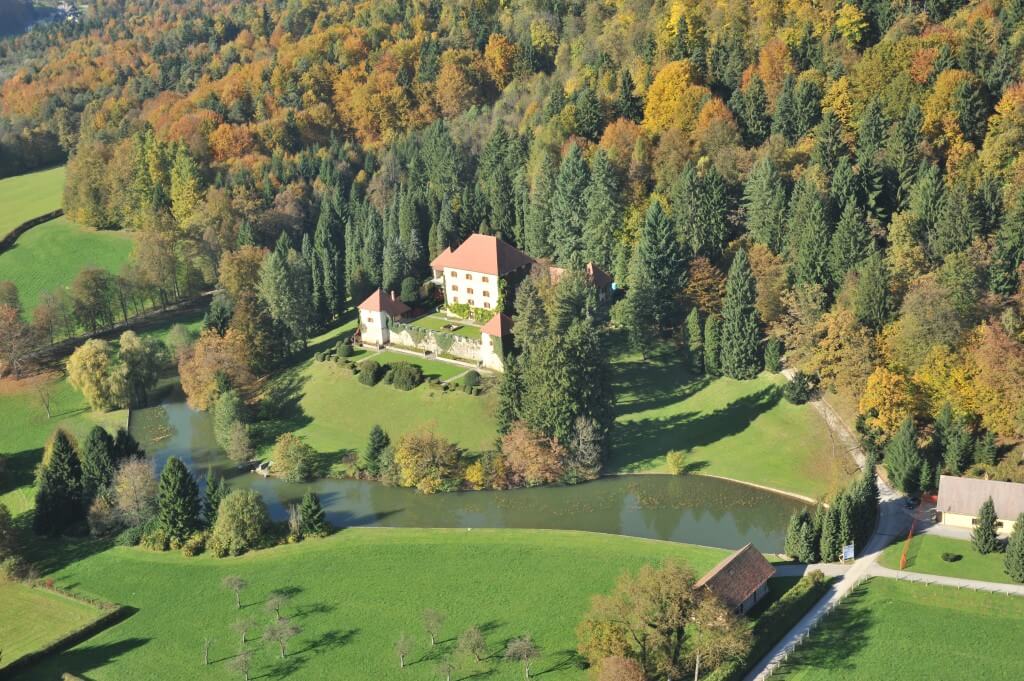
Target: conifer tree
(984, 537)
(773, 349)
(851, 242)
(328, 292)
(312, 519)
(902, 458)
(393, 263)
(870, 138)
(751, 105)
(712, 346)
(904, 153)
(568, 208)
(539, 210)
(764, 199)
(927, 477)
(695, 340)
(843, 189)
(926, 200)
(741, 356)
(628, 105)
(186, 185)
(872, 302)
(658, 267)
(59, 489)
(810, 234)
(98, 465)
(510, 395)
(784, 118)
(126, 446)
(957, 223)
(1013, 562)
(369, 458)
(831, 542)
(700, 205)
(1008, 256)
(603, 212)
(828, 143)
(958, 447)
(985, 450)
(216, 490)
(178, 500)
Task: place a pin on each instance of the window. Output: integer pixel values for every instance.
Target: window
(487, 306)
(455, 287)
(468, 275)
(471, 303)
(469, 291)
(369, 320)
(487, 294)
(485, 279)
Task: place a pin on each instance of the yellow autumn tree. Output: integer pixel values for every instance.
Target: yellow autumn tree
(674, 99)
(500, 58)
(888, 399)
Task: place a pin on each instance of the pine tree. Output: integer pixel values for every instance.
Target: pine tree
(312, 519)
(984, 535)
(764, 199)
(904, 152)
(539, 211)
(831, 541)
(751, 105)
(1013, 562)
(784, 118)
(98, 465)
(870, 138)
(1004, 272)
(872, 302)
(568, 208)
(810, 234)
(843, 189)
(604, 212)
(659, 267)
(902, 458)
(701, 206)
(393, 263)
(741, 356)
(926, 481)
(510, 395)
(59, 489)
(695, 340)
(216, 490)
(627, 104)
(985, 450)
(926, 200)
(958, 443)
(178, 500)
(773, 349)
(126, 446)
(369, 458)
(329, 270)
(828, 143)
(851, 242)
(958, 222)
(186, 185)
(712, 346)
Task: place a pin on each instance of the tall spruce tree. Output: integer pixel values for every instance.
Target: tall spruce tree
(569, 208)
(312, 519)
(98, 463)
(59, 489)
(628, 105)
(741, 356)
(926, 200)
(831, 537)
(870, 140)
(764, 198)
(984, 537)
(903, 459)
(872, 302)
(369, 458)
(510, 395)
(329, 291)
(216, 490)
(1008, 256)
(810, 235)
(700, 204)
(659, 267)
(904, 153)
(603, 212)
(985, 449)
(178, 505)
(1013, 562)
(958, 222)
(712, 346)
(695, 340)
(851, 242)
(829, 147)
(539, 210)
(126, 446)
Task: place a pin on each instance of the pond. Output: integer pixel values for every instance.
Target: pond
(692, 509)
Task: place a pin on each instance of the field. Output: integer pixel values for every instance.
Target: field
(437, 323)
(27, 429)
(52, 254)
(887, 629)
(353, 595)
(736, 429)
(43, 617)
(28, 196)
(431, 368)
(925, 555)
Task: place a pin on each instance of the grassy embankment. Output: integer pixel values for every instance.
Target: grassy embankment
(28, 196)
(888, 629)
(925, 556)
(36, 618)
(353, 595)
(736, 429)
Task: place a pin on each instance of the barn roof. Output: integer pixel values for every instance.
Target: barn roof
(966, 495)
(738, 576)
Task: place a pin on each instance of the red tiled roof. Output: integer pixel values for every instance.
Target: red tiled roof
(379, 301)
(484, 254)
(595, 275)
(499, 325)
(738, 576)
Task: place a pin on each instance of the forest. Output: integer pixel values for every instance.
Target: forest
(854, 167)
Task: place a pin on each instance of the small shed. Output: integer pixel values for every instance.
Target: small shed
(960, 499)
(740, 580)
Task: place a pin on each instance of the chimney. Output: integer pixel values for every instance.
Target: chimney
(393, 296)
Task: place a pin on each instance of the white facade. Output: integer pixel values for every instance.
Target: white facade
(464, 287)
(374, 327)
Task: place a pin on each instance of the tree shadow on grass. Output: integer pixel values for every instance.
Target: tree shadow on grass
(656, 383)
(565, 660)
(642, 440)
(280, 410)
(837, 639)
(18, 470)
(51, 554)
(327, 641)
(79, 661)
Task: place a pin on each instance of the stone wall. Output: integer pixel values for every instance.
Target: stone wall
(461, 347)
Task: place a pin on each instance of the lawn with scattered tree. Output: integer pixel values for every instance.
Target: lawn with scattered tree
(926, 553)
(35, 618)
(51, 256)
(736, 429)
(28, 196)
(506, 583)
(887, 629)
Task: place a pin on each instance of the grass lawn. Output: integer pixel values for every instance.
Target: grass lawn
(42, 618)
(736, 429)
(925, 555)
(431, 368)
(26, 430)
(53, 254)
(887, 629)
(437, 323)
(353, 595)
(28, 196)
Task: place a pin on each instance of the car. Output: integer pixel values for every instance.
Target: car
(912, 502)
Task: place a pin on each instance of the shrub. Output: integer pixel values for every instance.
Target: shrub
(676, 461)
(293, 458)
(129, 537)
(155, 538)
(471, 379)
(14, 569)
(370, 372)
(343, 349)
(798, 390)
(951, 557)
(242, 524)
(406, 376)
(195, 544)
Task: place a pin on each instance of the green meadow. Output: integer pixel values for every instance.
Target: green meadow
(28, 196)
(925, 555)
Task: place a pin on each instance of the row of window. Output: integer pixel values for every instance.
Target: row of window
(455, 300)
(486, 294)
(483, 277)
